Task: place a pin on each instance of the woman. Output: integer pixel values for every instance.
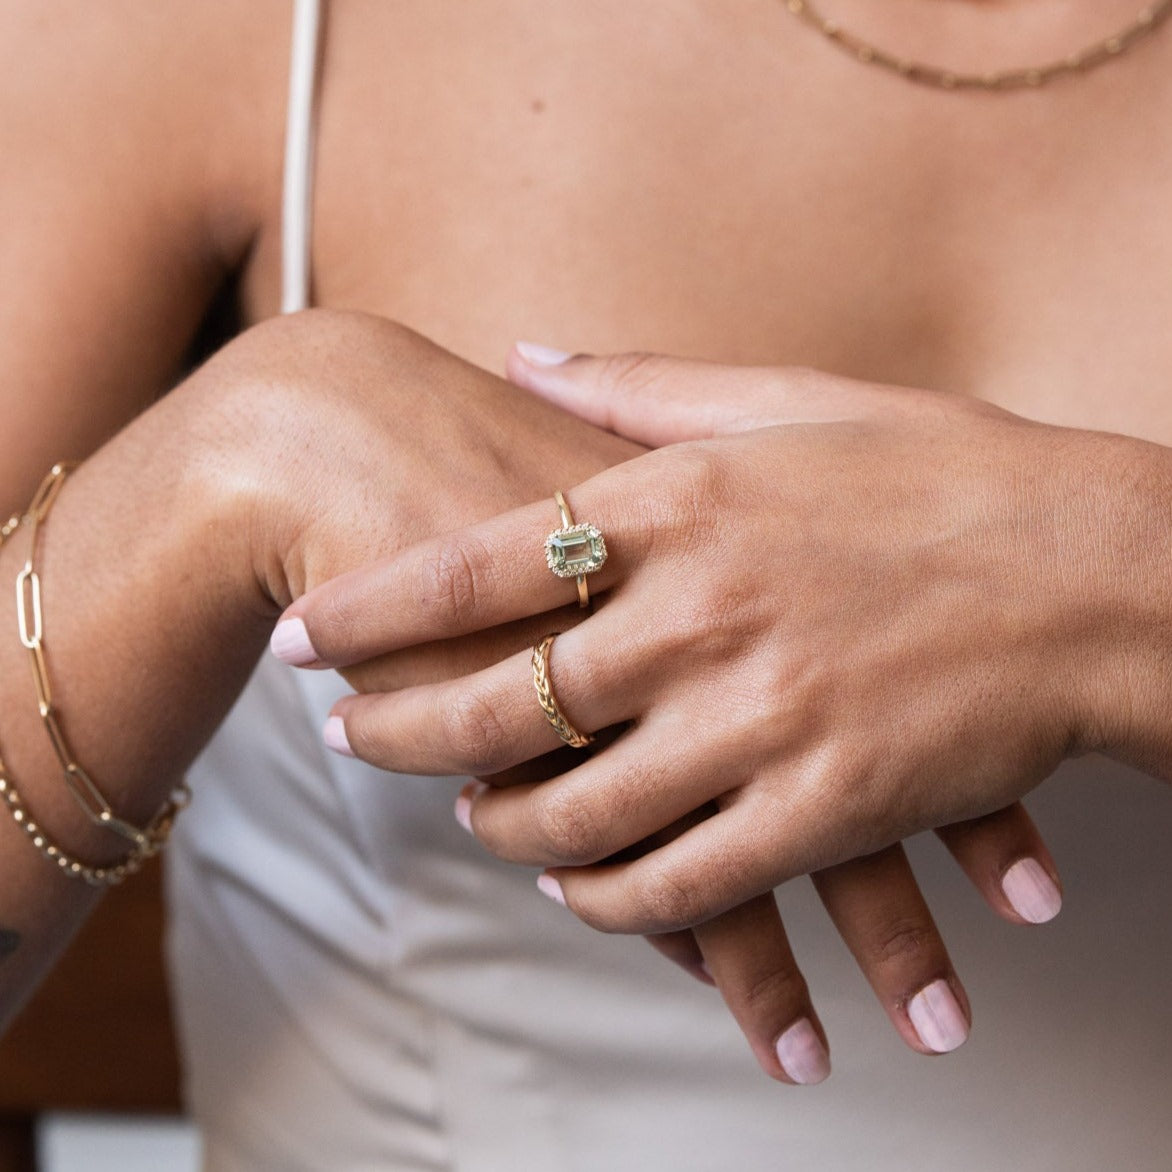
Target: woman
(513, 168)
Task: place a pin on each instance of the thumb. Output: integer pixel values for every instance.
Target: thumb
(650, 398)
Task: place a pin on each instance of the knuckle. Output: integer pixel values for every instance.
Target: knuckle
(701, 488)
(635, 371)
(451, 583)
(775, 993)
(708, 624)
(568, 827)
(902, 940)
(475, 733)
(711, 487)
(663, 902)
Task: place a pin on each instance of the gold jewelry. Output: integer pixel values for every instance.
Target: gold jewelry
(1082, 61)
(85, 792)
(95, 876)
(74, 868)
(573, 551)
(548, 701)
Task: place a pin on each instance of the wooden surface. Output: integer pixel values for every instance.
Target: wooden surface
(97, 1036)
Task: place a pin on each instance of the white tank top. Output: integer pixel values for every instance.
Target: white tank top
(360, 986)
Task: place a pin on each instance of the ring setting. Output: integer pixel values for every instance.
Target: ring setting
(573, 551)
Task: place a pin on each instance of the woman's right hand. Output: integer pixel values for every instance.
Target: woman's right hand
(358, 438)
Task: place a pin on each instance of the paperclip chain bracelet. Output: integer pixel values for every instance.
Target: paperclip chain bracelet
(67, 864)
(146, 842)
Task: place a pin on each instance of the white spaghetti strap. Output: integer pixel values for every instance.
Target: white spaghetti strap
(297, 197)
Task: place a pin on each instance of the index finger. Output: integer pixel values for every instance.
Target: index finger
(466, 581)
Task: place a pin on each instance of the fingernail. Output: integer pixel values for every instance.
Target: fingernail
(802, 1055)
(468, 795)
(334, 735)
(290, 643)
(548, 885)
(703, 967)
(1031, 892)
(464, 812)
(700, 972)
(541, 355)
(936, 1015)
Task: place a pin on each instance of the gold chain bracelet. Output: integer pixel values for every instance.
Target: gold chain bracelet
(146, 842)
(95, 876)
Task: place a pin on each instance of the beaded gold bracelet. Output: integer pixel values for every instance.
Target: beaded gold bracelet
(95, 876)
(146, 842)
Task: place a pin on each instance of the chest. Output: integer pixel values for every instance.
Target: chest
(716, 180)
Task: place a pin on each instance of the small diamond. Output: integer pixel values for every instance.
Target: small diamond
(576, 550)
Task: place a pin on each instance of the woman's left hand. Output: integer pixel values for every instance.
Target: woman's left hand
(854, 613)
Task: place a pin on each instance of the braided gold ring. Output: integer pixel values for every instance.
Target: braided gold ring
(573, 551)
(548, 701)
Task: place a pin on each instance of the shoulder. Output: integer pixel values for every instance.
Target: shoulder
(175, 104)
(140, 156)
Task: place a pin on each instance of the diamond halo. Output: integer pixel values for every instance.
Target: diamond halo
(574, 550)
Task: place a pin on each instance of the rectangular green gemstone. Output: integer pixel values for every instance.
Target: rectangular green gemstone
(577, 551)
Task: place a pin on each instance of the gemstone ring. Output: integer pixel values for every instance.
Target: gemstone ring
(573, 551)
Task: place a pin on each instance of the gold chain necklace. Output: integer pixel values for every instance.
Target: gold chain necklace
(1083, 61)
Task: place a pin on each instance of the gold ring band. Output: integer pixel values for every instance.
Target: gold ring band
(563, 508)
(548, 701)
(573, 551)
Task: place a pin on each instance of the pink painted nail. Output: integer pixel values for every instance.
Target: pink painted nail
(802, 1055)
(290, 643)
(1031, 892)
(468, 795)
(463, 812)
(541, 355)
(548, 885)
(936, 1015)
(334, 735)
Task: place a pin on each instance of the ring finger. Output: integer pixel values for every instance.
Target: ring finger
(491, 720)
(492, 573)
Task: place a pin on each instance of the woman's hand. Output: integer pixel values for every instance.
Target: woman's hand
(878, 617)
(449, 729)
(306, 446)
(352, 436)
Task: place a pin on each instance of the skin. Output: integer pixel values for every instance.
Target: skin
(914, 193)
(190, 472)
(913, 722)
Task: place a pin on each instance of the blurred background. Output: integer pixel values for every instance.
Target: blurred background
(89, 1074)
